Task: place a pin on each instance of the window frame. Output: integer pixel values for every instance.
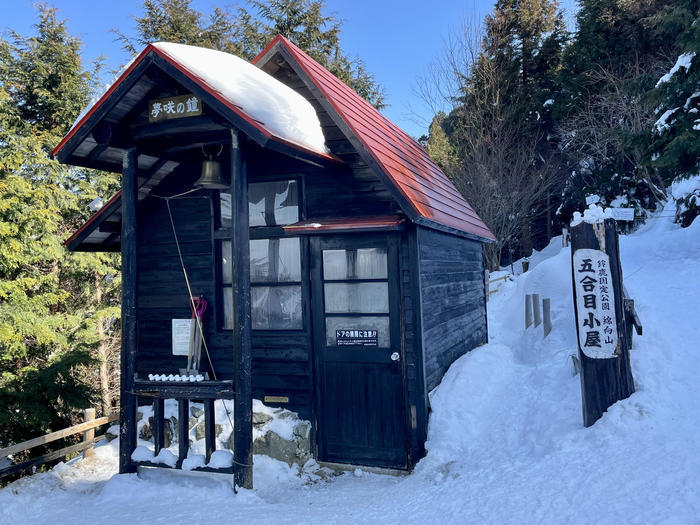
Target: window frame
(264, 232)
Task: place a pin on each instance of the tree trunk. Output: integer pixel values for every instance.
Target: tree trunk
(525, 236)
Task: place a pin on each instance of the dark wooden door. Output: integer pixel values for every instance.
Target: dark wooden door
(357, 345)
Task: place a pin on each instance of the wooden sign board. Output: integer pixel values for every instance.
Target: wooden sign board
(622, 214)
(595, 304)
(182, 334)
(276, 399)
(174, 107)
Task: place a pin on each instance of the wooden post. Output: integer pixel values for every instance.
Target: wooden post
(546, 316)
(183, 430)
(537, 313)
(209, 429)
(606, 374)
(243, 398)
(158, 429)
(89, 435)
(127, 410)
(528, 310)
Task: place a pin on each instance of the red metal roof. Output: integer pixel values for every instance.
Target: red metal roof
(405, 162)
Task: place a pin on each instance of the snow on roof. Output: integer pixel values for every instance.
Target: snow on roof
(280, 109)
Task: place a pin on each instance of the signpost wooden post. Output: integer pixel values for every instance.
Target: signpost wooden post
(603, 343)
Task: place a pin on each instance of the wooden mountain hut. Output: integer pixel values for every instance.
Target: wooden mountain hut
(342, 270)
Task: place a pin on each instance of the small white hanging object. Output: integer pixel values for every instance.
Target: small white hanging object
(96, 204)
(170, 377)
(151, 377)
(200, 377)
(192, 379)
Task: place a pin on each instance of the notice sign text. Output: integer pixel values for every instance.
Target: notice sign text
(595, 304)
(356, 338)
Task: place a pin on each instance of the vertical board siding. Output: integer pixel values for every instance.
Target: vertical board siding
(452, 295)
(161, 286)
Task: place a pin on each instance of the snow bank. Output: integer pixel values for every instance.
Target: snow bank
(280, 109)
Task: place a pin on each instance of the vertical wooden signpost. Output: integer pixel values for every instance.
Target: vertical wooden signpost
(603, 344)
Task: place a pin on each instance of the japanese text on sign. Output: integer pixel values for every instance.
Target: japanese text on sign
(174, 107)
(595, 303)
(356, 337)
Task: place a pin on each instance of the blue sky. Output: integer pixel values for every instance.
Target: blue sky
(396, 39)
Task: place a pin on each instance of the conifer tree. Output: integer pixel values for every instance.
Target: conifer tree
(245, 32)
(48, 313)
(501, 125)
(675, 148)
(614, 59)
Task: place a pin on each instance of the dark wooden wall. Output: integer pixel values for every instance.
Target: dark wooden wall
(452, 296)
(282, 360)
(161, 290)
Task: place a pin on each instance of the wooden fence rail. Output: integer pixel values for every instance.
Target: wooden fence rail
(89, 438)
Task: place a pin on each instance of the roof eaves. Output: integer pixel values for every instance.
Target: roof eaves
(78, 127)
(74, 241)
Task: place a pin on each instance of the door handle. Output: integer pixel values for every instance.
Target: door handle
(395, 356)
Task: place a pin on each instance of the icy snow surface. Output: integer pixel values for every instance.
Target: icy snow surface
(280, 109)
(506, 443)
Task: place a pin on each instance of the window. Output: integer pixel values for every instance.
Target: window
(356, 294)
(269, 204)
(275, 262)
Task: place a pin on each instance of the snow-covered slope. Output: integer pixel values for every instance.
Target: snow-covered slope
(506, 443)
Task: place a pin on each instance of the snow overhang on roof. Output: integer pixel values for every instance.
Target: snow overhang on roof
(269, 112)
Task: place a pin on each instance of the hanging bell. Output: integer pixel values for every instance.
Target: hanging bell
(211, 176)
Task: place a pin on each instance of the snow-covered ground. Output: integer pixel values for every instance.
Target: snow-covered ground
(506, 443)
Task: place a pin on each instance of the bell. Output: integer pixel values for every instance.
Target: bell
(211, 176)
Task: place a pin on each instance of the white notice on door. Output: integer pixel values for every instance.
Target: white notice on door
(182, 330)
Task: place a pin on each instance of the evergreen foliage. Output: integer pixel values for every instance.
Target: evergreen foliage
(48, 312)
(593, 101)
(675, 148)
(614, 59)
(500, 128)
(246, 31)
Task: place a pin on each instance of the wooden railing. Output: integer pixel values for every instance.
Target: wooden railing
(89, 439)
